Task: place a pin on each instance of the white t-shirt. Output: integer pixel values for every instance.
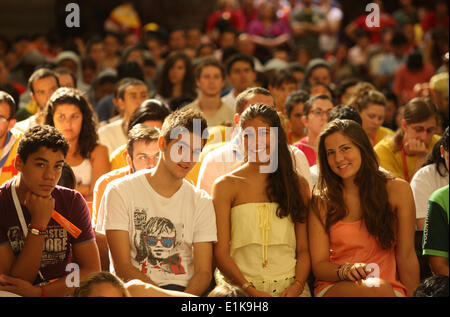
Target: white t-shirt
(174, 224)
(26, 124)
(424, 182)
(112, 135)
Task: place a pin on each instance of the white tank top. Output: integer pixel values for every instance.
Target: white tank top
(83, 172)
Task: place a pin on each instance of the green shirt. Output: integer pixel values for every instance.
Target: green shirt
(435, 233)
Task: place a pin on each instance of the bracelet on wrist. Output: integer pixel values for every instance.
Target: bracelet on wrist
(247, 285)
(299, 283)
(38, 231)
(343, 270)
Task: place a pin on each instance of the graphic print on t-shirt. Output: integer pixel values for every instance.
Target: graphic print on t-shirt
(55, 244)
(157, 245)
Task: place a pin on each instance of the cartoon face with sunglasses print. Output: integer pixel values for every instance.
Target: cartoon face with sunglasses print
(158, 242)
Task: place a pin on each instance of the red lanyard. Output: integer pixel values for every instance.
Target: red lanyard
(405, 166)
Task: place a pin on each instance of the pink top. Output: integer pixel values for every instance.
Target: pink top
(307, 150)
(351, 242)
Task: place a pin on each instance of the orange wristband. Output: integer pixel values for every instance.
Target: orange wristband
(66, 224)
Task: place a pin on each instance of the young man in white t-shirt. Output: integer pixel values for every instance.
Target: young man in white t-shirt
(160, 228)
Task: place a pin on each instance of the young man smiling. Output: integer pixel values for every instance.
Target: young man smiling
(35, 250)
(159, 227)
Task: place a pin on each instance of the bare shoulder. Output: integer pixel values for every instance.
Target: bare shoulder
(399, 192)
(397, 187)
(99, 150)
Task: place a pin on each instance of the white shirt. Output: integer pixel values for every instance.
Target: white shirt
(230, 100)
(112, 135)
(424, 182)
(131, 204)
(26, 124)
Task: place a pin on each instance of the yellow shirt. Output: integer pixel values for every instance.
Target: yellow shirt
(118, 158)
(382, 132)
(8, 171)
(393, 162)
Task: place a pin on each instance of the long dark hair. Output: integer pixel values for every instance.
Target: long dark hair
(165, 86)
(377, 213)
(88, 138)
(283, 184)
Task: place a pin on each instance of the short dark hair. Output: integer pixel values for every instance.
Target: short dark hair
(239, 58)
(150, 109)
(294, 98)
(308, 105)
(40, 74)
(208, 61)
(344, 112)
(7, 98)
(125, 84)
(243, 98)
(183, 118)
(141, 132)
(41, 135)
(281, 77)
(66, 71)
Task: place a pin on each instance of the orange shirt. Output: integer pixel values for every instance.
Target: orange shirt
(351, 242)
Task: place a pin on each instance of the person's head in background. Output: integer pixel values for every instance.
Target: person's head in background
(294, 111)
(251, 96)
(7, 115)
(241, 73)
(130, 95)
(319, 88)
(193, 37)
(66, 77)
(42, 84)
(142, 147)
(101, 284)
(298, 71)
(227, 290)
(301, 56)
(371, 106)
(433, 286)
(281, 52)
(345, 90)
(176, 77)
(317, 71)
(245, 45)
(390, 109)
(88, 69)
(344, 112)
(95, 49)
(419, 122)
(227, 38)
(281, 85)
(151, 112)
(315, 115)
(177, 39)
(205, 50)
(209, 77)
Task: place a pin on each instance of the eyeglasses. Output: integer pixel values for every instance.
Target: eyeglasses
(320, 112)
(165, 241)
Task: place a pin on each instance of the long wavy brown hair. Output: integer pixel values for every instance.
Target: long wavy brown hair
(283, 184)
(377, 212)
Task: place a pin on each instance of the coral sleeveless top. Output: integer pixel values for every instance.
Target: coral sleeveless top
(351, 242)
